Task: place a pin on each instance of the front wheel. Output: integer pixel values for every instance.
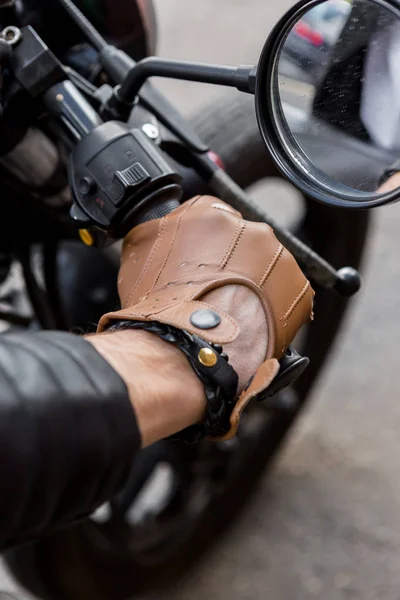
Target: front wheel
(179, 499)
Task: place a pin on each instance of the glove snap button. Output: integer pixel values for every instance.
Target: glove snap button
(207, 357)
(205, 319)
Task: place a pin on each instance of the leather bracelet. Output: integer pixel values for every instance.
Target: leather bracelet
(211, 365)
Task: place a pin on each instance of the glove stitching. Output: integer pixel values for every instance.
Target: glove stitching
(241, 226)
(271, 265)
(295, 304)
(160, 235)
(168, 254)
(184, 325)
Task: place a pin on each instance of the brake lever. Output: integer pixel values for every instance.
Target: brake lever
(345, 281)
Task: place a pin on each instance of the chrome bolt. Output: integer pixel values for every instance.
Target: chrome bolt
(11, 35)
(150, 130)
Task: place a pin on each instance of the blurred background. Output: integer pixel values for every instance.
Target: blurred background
(325, 521)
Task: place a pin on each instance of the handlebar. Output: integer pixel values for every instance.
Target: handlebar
(120, 178)
(65, 102)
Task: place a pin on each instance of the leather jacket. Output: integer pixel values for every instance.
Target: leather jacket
(68, 433)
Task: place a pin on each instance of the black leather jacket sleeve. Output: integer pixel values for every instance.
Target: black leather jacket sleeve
(68, 433)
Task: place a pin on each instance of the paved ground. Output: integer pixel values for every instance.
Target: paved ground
(326, 522)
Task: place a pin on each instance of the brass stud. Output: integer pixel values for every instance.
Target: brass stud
(207, 357)
(86, 237)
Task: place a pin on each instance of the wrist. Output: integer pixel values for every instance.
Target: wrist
(165, 393)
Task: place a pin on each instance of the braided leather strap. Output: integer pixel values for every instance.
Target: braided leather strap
(219, 377)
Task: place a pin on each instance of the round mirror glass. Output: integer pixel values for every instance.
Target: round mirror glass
(334, 95)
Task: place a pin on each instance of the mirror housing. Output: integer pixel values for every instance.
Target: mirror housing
(287, 153)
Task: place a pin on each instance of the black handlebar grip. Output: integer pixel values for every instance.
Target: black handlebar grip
(158, 211)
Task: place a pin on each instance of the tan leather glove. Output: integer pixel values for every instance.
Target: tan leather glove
(203, 255)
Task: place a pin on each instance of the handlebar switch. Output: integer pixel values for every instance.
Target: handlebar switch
(127, 182)
(119, 178)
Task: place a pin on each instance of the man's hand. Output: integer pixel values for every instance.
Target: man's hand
(164, 391)
(204, 256)
(166, 394)
(393, 183)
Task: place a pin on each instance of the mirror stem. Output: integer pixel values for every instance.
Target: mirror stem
(242, 77)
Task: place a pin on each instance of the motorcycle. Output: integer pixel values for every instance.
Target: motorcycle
(114, 153)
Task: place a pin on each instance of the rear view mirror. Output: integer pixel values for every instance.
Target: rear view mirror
(328, 99)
